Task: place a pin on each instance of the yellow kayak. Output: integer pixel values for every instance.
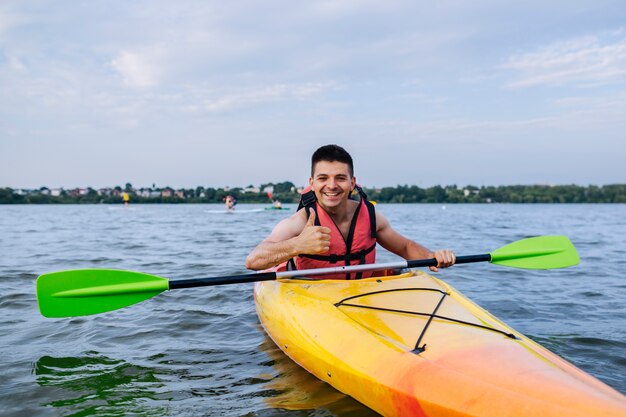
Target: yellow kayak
(411, 345)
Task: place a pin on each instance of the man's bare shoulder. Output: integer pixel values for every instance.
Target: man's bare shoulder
(381, 221)
(298, 218)
(287, 228)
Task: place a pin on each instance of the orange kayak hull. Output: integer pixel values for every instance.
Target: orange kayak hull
(412, 345)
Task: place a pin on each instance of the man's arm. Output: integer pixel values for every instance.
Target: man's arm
(396, 243)
(291, 237)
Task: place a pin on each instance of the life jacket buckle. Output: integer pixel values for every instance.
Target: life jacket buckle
(307, 199)
(333, 259)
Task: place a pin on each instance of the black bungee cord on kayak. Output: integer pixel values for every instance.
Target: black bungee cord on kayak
(419, 349)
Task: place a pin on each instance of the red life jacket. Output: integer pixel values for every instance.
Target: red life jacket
(359, 247)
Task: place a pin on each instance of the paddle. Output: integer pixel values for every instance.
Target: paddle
(82, 292)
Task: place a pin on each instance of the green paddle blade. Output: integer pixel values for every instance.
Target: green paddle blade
(541, 252)
(82, 292)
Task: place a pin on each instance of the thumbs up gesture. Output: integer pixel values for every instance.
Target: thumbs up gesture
(313, 240)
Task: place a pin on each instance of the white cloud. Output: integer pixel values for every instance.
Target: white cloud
(138, 69)
(338, 9)
(259, 95)
(15, 63)
(583, 61)
(8, 20)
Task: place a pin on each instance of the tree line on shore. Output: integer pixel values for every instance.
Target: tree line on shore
(287, 192)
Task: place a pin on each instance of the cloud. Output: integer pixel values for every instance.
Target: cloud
(137, 69)
(339, 9)
(188, 55)
(9, 20)
(258, 95)
(582, 61)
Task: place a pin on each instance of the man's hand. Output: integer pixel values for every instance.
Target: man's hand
(313, 240)
(445, 258)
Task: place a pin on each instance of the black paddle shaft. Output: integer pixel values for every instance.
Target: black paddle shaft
(231, 279)
(486, 257)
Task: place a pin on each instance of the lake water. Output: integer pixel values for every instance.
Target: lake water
(202, 351)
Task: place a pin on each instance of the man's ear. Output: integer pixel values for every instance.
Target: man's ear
(353, 182)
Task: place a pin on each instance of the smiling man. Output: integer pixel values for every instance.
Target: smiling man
(332, 229)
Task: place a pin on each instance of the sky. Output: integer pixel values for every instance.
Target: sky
(215, 93)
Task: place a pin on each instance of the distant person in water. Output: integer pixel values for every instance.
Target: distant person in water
(126, 199)
(230, 202)
(277, 205)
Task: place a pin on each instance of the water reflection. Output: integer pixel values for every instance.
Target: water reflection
(296, 389)
(96, 385)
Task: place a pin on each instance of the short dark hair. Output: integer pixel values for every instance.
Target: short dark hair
(332, 153)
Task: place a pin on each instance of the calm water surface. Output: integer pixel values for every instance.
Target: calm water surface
(202, 351)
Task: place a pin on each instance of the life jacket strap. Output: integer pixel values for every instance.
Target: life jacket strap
(370, 209)
(307, 199)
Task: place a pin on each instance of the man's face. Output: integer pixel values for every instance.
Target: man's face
(332, 183)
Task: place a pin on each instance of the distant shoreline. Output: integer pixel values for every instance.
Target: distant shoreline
(287, 193)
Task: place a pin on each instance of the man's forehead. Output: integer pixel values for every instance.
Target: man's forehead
(331, 168)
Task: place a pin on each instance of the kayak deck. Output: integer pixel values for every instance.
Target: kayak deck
(411, 345)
